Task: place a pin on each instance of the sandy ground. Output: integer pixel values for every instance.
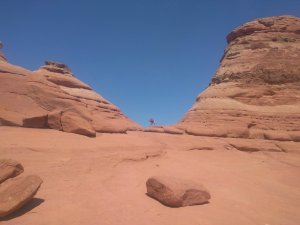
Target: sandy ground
(102, 180)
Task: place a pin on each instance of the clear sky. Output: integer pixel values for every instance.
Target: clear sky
(151, 58)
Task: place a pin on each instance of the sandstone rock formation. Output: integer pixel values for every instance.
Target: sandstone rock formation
(46, 99)
(255, 93)
(16, 192)
(9, 168)
(175, 192)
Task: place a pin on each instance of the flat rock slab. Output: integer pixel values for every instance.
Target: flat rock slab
(175, 192)
(14, 193)
(9, 168)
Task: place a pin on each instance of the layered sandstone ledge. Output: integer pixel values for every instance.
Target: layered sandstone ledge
(255, 93)
(52, 97)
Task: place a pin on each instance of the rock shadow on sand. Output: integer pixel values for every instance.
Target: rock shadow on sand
(27, 208)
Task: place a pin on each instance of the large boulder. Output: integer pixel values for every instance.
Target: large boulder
(9, 168)
(16, 192)
(175, 192)
(73, 123)
(255, 92)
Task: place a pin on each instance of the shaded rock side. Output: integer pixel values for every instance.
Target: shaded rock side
(175, 192)
(9, 168)
(39, 121)
(29, 99)
(255, 93)
(16, 192)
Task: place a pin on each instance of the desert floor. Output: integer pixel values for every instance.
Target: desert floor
(102, 180)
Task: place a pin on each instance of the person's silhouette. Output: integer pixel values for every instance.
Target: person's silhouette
(152, 122)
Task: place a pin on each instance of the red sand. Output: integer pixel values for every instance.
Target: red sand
(102, 180)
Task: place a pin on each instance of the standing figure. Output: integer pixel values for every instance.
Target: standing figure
(152, 122)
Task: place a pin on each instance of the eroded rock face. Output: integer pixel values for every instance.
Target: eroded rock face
(262, 51)
(176, 192)
(102, 115)
(16, 192)
(30, 99)
(255, 93)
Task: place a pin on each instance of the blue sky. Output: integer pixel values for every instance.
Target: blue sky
(150, 58)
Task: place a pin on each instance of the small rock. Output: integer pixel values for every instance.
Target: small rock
(175, 192)
(14, 193)
(9, 168)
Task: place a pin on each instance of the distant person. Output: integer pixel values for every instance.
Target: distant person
(152, 122)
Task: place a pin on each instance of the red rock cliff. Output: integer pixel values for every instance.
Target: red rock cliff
(255, 92)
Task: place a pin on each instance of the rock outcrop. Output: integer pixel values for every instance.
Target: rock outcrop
(255, 93)
(175, 192)
(9, 168)
(47, 97)
(16, 192)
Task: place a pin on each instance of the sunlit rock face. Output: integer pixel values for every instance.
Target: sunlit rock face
(255, 92)
(47, 97)
(103, 115)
